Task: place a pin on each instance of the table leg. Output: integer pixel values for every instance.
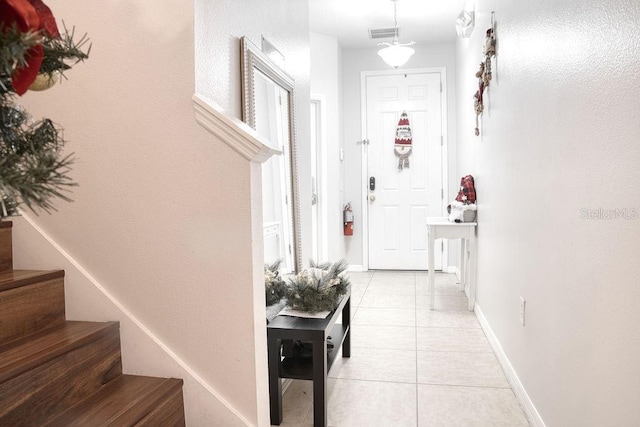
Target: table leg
(346, 322)
(275, 384)
(320, 383)
(473, 257)
(431, 266)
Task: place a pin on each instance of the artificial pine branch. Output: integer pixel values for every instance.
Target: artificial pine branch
(62, 53)
(33, 168)
(14, 48)
(321, 266)
(275, 287)
(318, 289)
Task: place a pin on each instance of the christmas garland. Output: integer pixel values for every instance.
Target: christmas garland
(33, 54)
(319, 288)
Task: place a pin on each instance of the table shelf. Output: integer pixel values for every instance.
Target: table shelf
(301, 368)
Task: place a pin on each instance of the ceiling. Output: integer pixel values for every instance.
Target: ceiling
(421, 21)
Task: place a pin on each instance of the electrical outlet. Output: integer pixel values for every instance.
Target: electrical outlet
(523, 305)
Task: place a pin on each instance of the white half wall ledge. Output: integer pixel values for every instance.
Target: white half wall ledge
(235, 133)
(532, 414)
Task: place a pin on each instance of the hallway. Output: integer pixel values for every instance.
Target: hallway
(410, 366)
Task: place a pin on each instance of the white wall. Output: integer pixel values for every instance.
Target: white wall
(326, 80)
(354, 62)
(162, 219)
(560, 140)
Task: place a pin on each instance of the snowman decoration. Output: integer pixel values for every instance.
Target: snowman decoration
(402, 146)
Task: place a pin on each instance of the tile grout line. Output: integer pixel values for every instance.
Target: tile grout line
(370, 381)
(355, 309)
(466, 386)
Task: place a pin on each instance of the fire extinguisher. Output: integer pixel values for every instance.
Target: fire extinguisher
(347, 217)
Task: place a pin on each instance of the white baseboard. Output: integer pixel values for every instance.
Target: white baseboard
(452, 269)
(449, 270)
(530, 410)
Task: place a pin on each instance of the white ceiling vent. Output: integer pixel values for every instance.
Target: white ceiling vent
(383, 33)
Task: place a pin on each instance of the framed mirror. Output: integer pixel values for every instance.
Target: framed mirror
(267, 106)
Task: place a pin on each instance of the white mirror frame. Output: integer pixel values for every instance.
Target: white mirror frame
(252, 58)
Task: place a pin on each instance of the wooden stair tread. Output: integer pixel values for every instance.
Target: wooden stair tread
(23, 354)
(30, 301)
(16, 278)
(56, 373)
(124, 401)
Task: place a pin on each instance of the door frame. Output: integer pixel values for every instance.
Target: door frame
(322, 169)
(365, 159)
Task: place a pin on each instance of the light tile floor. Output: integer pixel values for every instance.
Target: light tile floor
(410, 366)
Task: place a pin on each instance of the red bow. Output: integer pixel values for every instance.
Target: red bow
(28, 15)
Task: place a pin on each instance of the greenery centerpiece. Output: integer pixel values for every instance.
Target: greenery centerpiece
(33, 54)
(275, 287)
(318, 288)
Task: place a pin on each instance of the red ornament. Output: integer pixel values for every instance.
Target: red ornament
(47, 20)
(28, 15)
(20, 12)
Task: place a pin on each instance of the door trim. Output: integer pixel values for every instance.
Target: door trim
(322, 165)
(364, 180)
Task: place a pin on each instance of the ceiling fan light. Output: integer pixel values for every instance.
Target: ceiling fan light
(395, 55)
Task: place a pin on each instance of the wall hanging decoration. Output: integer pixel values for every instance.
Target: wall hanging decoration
(402, 146)
(484, 73)
(35, 54)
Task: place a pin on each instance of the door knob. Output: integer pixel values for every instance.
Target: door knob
(372, 198)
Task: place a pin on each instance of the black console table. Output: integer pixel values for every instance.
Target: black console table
(316, 332)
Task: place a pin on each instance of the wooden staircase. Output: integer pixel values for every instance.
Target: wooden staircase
(55, 372)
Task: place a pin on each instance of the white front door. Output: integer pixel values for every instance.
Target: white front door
(400, 200)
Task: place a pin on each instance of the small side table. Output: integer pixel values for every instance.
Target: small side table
(442, 228)
(316, 368)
